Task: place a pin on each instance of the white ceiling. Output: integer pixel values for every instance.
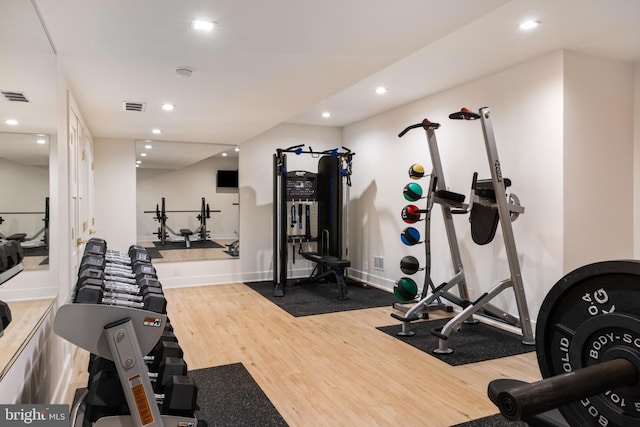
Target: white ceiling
(275, 61)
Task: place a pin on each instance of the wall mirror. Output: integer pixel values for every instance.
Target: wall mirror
(187, 200)
(28, 128)
(24, 206)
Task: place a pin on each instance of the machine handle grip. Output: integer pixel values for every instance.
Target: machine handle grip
(465, 114)
(526, 400)
(426, 124)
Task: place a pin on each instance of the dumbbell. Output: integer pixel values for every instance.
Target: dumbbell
(11, 254)
(95, 246)
(120, 276)
(116, 285)
(139, 254)
(105, 396)
(140, 270)
(5, 316)
(167, 346)
(161, 367)
(95, 292)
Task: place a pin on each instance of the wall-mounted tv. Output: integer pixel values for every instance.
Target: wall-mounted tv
(227, 179)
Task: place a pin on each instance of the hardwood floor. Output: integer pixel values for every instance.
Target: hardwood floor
(331, 369)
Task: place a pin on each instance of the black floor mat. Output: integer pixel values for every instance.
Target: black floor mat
(195, 244)
(39, 251)
(321, 298)
(492, 421)
(154, 253)
(229, 396)
(474, 343)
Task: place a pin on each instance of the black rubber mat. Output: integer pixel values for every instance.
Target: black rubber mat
(38, 251)
(320, 298)
(195, 244)
(229, 396)
(474, 343)
(154, 252)
(492, 421)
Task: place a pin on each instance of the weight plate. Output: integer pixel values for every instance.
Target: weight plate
(574, 329)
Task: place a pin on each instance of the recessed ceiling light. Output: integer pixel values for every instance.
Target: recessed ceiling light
(137, 166)
(138, 162)
(237, 148)
(41, 141)
(380, 90)
(168, 107)
(224, 154)
(197, 24)
(326, 114)
(156, 131)
(143, 154)
(148, 147)
(11, 122)
(529, 25)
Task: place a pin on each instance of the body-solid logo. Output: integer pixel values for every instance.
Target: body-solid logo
(34, 415)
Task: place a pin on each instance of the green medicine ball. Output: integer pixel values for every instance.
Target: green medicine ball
(405, 289)
(412, 192)
(416, 171)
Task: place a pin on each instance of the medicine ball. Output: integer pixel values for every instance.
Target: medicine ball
(412, 192)
(410, 214)
(405, 289)
(416, 171)
(410, 236)
(409, 264)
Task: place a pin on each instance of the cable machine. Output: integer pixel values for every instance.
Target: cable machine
(311, 208)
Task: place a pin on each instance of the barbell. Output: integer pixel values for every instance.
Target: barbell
(588, 350)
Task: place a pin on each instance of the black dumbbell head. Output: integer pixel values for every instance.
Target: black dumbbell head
(96, 247)
(180, 396)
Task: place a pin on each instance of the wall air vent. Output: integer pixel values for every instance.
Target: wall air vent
(14, 96)
(133, 106)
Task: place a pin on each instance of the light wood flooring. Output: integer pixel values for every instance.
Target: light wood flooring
(331, 369)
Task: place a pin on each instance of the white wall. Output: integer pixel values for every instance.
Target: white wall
(598, 160)
(115, 191)
(183, 189)
(526, 106)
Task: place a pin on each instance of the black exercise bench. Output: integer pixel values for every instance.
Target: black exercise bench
(326, 266)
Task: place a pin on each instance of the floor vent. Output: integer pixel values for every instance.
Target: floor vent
(14, 96)
(133, 106)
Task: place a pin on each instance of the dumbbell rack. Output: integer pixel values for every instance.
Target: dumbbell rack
(123, 335)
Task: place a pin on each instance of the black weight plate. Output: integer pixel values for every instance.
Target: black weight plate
(592, 290)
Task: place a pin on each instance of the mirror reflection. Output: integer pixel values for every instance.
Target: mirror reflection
(24, 206)
(28, 127)
(187, 200)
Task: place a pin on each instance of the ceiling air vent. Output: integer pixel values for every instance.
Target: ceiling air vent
(14, 96)
(133, 106)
